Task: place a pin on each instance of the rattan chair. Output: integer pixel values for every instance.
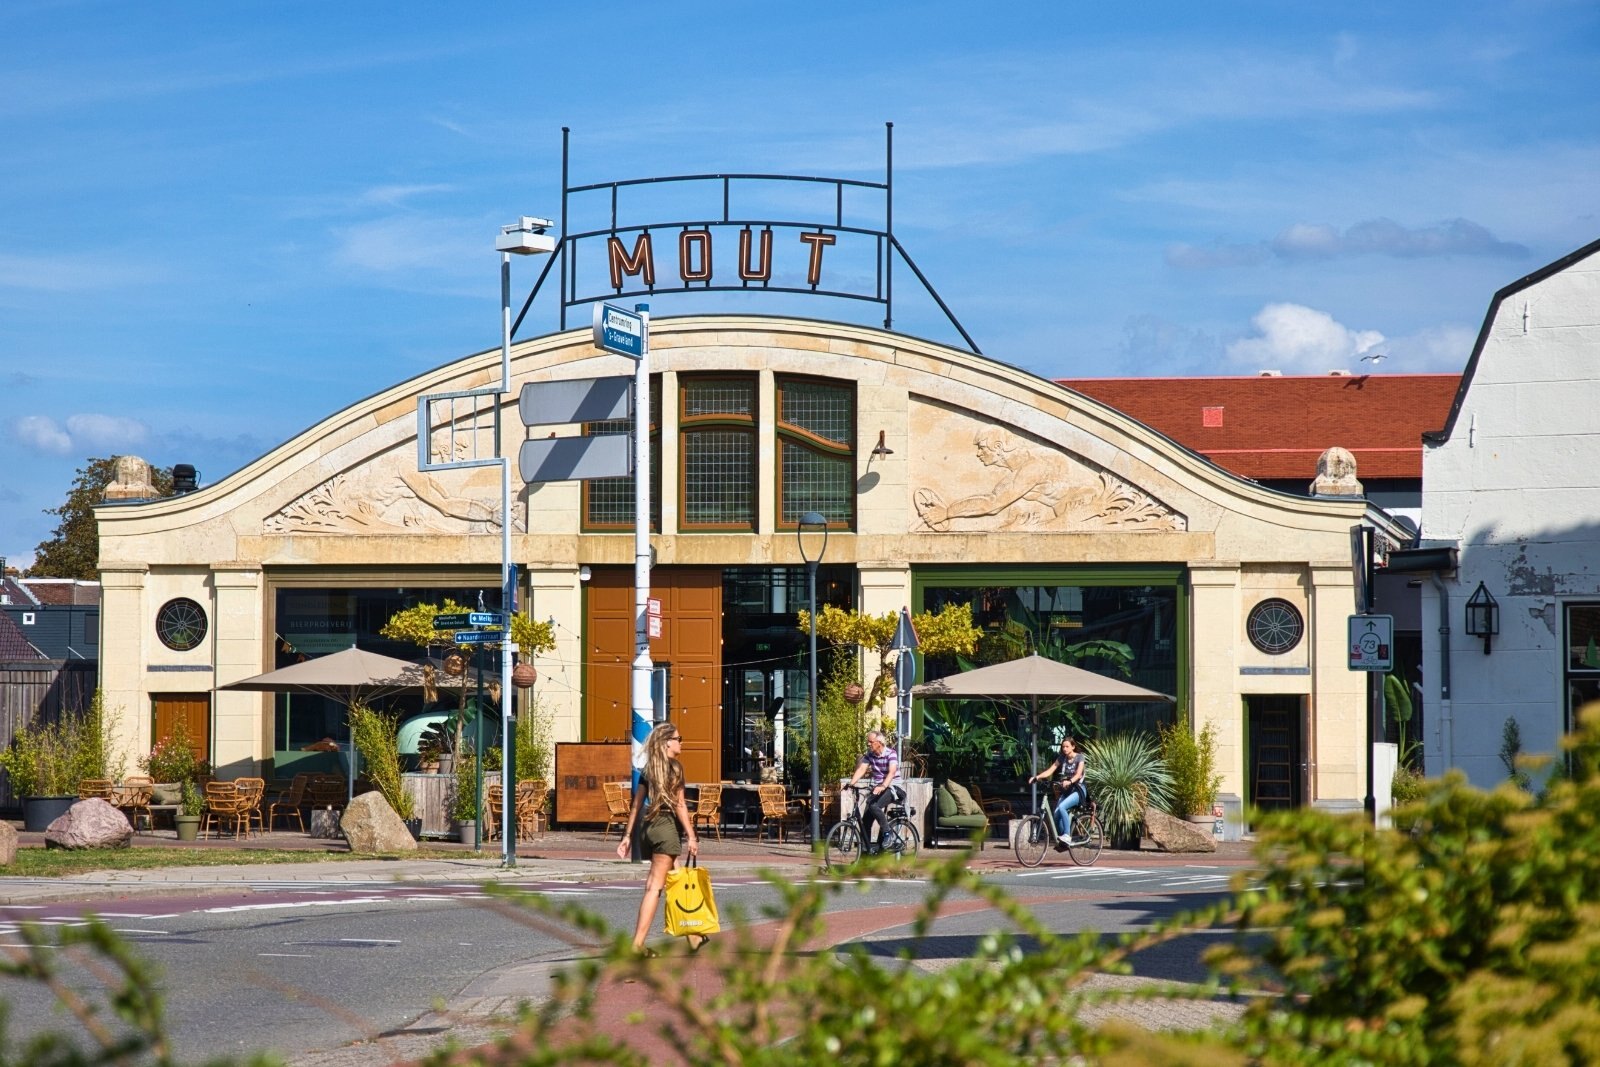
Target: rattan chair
(225, 805)
(94, 787)
(253, 790)
(494, 804)
(530, 806)
(708, 809)
(289, 802)
(617, 804)
(133, 797)
(776, 810)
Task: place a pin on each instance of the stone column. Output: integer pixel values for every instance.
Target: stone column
(126, 623)
(1216, 629)
(243, 727)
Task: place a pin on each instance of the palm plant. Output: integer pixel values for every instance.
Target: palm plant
(374, 734)
(1125, 773)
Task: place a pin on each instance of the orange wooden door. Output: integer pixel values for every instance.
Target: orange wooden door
(195, 713)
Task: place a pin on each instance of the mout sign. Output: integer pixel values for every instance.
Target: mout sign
(695, 262)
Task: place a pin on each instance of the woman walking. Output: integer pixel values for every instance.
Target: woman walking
(666, 823)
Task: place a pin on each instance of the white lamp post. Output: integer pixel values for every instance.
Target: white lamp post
(811, 523)
(525, 237)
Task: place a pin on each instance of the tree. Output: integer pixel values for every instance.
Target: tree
(73, 550)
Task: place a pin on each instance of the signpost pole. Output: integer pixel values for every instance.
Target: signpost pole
(643, 712)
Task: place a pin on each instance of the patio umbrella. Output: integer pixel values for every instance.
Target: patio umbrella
(343, 677)
(1025, 681)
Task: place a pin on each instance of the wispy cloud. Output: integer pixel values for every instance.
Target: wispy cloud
(42, 434)
(75, 273)
(1374, 237)
(406, 242)
(1297, 339)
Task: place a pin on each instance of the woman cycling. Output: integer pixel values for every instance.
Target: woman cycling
(1067, 769)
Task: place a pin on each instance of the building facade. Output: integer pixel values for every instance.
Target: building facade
(1506, 497)
(945, 477)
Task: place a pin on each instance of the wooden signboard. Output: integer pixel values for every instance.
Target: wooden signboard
(581, 767)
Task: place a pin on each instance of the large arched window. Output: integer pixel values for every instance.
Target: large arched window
(717, 434)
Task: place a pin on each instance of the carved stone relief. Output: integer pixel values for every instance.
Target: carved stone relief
(973, 475)
(389, 494)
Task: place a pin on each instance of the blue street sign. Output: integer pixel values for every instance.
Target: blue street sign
(479, 637)
(619, 331)
(485, 618)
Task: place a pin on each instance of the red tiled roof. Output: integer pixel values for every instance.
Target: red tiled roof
(14, 646)
(56, 591)
(1266, 427)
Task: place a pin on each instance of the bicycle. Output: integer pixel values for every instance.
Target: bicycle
(1036, 834)
(900, 839)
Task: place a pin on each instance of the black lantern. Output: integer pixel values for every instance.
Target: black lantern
(1483, 616)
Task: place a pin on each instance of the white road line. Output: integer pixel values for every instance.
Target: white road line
(372, 940)
(290, 955)
(117, 914)
(25, 907)
(133, 930)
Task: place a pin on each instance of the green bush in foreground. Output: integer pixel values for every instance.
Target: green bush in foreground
(1470, 935)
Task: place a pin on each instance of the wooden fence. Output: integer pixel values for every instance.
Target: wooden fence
(40, 690)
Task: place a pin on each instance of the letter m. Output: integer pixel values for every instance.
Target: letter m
(642, 261)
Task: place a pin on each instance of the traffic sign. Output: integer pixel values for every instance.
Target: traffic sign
(485, 618)
(562, 459)
(479, 637)
(1371, 642)
(652, 606)
(653, 625)
(576, 400)
(619, 331)
(456, 621)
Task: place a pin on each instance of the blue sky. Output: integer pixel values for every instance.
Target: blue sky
(221, 223)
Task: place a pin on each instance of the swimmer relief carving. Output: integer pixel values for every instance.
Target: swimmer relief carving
(390, 494)
(979, 476)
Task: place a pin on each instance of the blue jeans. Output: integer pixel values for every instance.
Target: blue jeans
(1069, 800)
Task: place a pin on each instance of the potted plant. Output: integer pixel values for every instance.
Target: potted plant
(1191, 760)
(47, 760)
(376, 739)
(1125, 773)
(464, 797)
(190, 805)
(172, 762)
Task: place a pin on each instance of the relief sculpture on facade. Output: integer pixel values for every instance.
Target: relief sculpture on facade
(390, 494)
(1000, 481)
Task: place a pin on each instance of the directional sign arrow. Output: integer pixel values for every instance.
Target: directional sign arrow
(479, 637)
(486, 618)
(456, 621)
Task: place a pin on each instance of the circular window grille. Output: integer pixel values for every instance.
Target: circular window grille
(1275, 626)
(181, 624)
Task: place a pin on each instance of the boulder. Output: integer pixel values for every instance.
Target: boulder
(1176, 835)
(8, 844)
(92, 823)
(371, 825)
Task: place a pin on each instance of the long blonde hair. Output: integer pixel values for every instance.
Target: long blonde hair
(663, 775)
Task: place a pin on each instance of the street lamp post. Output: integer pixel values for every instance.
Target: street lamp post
(810, 523)
(525, 237)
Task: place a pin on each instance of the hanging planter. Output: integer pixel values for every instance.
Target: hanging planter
(854, 693)
(523, 676)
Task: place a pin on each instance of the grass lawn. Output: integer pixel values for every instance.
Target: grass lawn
(38, 862)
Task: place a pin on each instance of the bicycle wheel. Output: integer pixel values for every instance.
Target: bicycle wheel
(1087, 841)
(843, 847)
(901, 840)
(1032, 839)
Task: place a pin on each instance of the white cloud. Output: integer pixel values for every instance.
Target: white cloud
(97, 432)
(1301, 340)
(83, 433)
(1304, 241)
(73, 273)
(408, 242)
(42, 433)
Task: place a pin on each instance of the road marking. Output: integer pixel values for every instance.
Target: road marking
(290, 955)
(372, 940)
(133, 930)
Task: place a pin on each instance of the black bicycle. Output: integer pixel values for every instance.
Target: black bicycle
(1036, 834)
(900, 838)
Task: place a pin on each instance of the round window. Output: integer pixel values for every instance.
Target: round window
(1275, 626)
(181, 624)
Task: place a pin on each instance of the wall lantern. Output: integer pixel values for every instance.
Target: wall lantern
(1483, 616)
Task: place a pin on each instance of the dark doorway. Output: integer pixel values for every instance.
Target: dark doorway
(1277, 755)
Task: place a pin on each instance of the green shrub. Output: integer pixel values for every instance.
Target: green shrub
(375, 736)
(464, 795)
(49, 759)
(1192, 763)
(1407, 787)
(841, 727)
(533, 744)
(1125, 773)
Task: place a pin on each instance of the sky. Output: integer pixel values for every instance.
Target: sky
(223, 223)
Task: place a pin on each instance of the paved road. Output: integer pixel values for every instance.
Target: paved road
(304, 967)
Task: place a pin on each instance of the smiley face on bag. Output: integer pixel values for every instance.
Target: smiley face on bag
(688, 896)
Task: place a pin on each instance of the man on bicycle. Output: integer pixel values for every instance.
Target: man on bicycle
(882, 764)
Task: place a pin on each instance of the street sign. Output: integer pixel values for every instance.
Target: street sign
(479, 637)
(458, 621)
(619, 331)
(652, 606)
(562, 459)
(486, 618)
(653, 625)
(576, 400)
(1371, 642)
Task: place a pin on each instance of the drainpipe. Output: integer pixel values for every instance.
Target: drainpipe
(1447, 729)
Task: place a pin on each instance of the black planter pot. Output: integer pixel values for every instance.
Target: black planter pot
(415, 826)
(1127, 842)
(39, 812)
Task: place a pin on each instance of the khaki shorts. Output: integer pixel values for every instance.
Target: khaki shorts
(661, 835)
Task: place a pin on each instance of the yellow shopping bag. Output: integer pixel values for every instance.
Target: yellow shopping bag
(691, 909)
